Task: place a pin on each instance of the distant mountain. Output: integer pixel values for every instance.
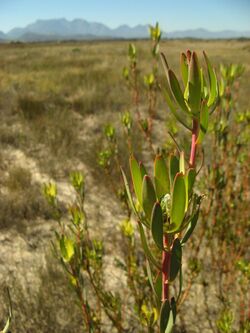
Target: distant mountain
(125, 31)
(2, 35)
(60, 27)
(206, 34)
(79, 29)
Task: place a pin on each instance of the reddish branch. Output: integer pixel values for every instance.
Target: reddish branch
(193, 144)
(166, 254)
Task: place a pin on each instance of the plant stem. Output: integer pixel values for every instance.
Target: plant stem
(194, 144)
(101, 297)
(166, 257)
(85, 313)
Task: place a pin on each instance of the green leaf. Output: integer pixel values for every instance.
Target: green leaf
(66, 248)
(182, 162)
(184, 69)
(158, 285)
(157, 225)
(221, 87)
(165, 64)
(166, 318)
(204, 90)
(8, 322)
(148, 196)
(136, 178)
(69, 245)
(212, 82)
(178, 203)
(146, 249)
(170, 325)
(154, 285)
(150, 278)
(109, 131)
(156, 49)
(194, 84)
(176, 114)
(7, 326)
(176, 91)
(125, 73)
(191, 226)
(173, 308)
(203, 123)
(131, 202)
(142, 169)
(180, 288)
(189, 181)
(175, 262)
(161, 176)
(173, 168)
(132, 51)
(191, 174)
(63, 249)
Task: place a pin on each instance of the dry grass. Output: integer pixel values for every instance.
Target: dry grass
(35, 312)
(55, 89)
(21, 200)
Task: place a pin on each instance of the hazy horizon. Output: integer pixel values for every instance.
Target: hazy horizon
(217, 15)
(132, 26)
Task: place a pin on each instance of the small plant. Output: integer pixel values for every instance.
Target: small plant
(225, 180)
(82, 259)
(167, 206)
(225, 322)
(132, 77)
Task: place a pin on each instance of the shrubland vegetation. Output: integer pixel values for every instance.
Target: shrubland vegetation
(82, 109)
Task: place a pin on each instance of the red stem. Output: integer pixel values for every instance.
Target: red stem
(166, 255)
(193, 144)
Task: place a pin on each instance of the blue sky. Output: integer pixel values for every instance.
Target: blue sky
(171, 14)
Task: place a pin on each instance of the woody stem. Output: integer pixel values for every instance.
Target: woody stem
(194, 143)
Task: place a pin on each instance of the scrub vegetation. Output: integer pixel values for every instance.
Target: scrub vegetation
(124, 199)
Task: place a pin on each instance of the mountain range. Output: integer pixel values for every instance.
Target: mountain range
(79, 29)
